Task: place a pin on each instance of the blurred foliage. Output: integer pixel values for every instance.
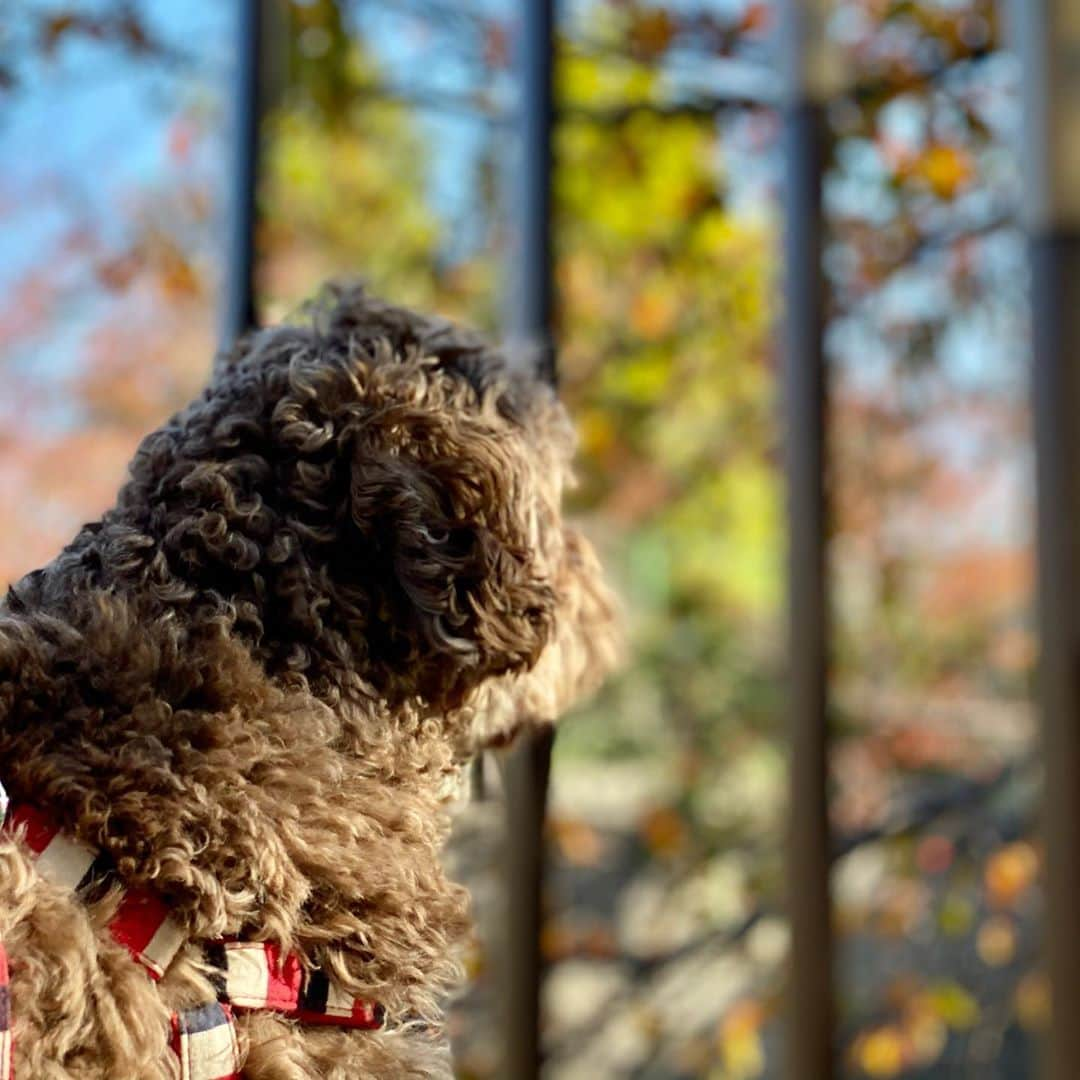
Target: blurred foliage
(344, 181)
(383, 154)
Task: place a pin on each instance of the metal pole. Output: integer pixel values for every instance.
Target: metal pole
(1056, 311)
(530, 309)
(527, 771)
(804, 389)
(238, 303)
(1049, 36)
(528, 765)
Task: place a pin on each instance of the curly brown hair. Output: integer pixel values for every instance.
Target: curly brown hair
(254, 681)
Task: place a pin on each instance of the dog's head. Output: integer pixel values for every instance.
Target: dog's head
(378, 495)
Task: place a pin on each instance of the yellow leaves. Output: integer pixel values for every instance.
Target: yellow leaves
(643, 379)
(596, 431)
(954, 1005)
(586, 81)
(945, 169)
(474, 959)
(579, 80)
(956, 915)
(880, 1053)
(1010, 872)
(582, 287)
(635, 183)
(324, 186)
(723, 532)
(739, 1041)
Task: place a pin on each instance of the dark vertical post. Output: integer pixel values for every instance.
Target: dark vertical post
(238, 303)
(1049, 37)
(1056, 312)
(531, 299)
(529, 319)
(527, 771)
(804, 390)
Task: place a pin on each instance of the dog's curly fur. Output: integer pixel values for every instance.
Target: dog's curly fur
(255, 680)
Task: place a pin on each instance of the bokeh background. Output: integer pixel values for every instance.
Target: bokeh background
(386, 155)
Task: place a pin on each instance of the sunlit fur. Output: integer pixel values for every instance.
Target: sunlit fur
(255, 680)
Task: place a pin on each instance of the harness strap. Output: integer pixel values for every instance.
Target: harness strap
(204, 1040)
(141, 924)
(5, 1018)
(247, 975)
(254, 975)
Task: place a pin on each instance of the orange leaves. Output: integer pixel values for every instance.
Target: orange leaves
(496, 45)
(577, 841)
(653, 313)
(562, 940)
(117, 272)
(157, 258)
(180, 138)
(943, 168)
(664, 832)
(651, 32)
(54, 28)
(1013, 651)
(757, 18)
(124, 27)
(177, 276)
(1009, 873)
(982, 583)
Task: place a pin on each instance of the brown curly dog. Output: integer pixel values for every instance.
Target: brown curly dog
(251, 687)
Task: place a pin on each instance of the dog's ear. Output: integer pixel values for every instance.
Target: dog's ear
(440, 540)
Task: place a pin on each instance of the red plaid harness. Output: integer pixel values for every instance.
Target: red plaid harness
(247, 975)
